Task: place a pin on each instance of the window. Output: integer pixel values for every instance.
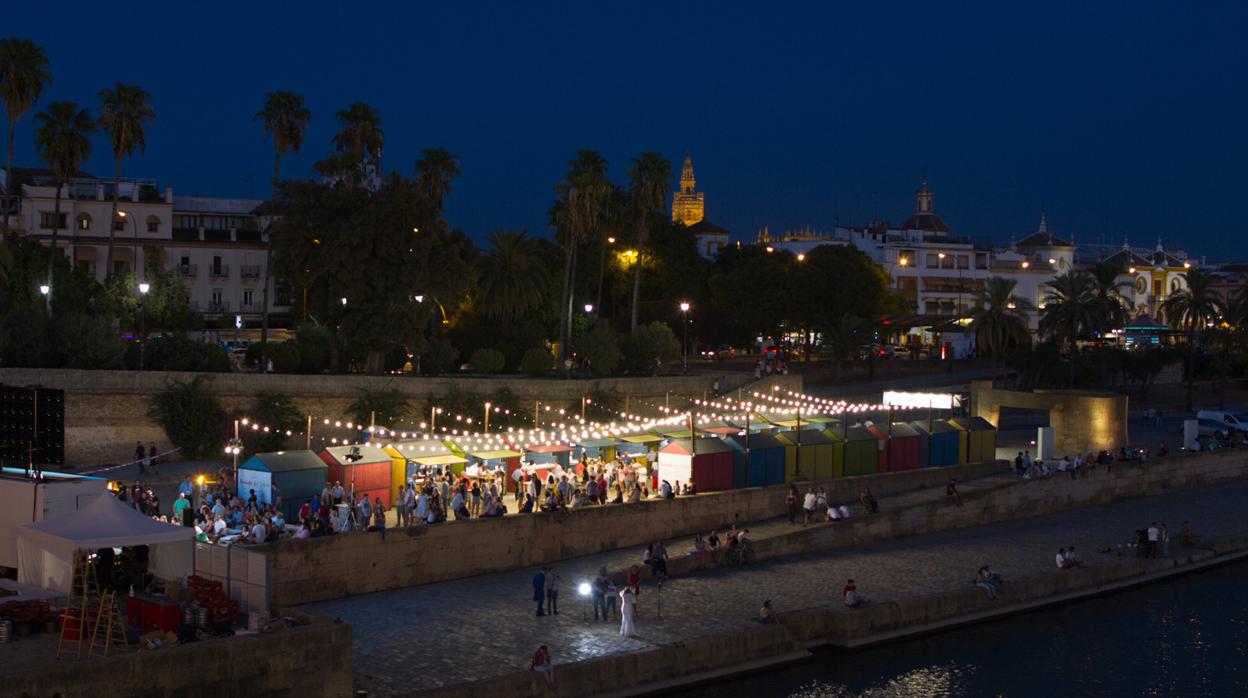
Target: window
(85, 266)
(153, 224)
(247, 298)
(216, 296)
(216, 265)
(933, 262)
(84, 221)
(185, 262)
(119, 267)
(963, 261)
(947, 262)
(119, 225)
(46, 219)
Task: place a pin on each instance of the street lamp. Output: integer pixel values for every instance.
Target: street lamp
(589, 308)
(801, 256)
(233, 447)
(45, 289)
(684, 308)
(144, 287)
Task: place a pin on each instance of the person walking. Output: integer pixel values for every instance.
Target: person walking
(628, 600)
(552, 591)
(539, 590)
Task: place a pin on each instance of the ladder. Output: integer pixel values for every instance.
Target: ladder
(108, 619)
(83, 586)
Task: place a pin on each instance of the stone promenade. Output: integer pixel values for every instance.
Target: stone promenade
(477, 628)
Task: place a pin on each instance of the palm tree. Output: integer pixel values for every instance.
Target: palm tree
(513, 276)
(999, 318)
(1071, 312)
(23, 76)
(842, 337)
(1191, 309)
(1115, 304)
(650, 182)
(361, 136)
(577, 215)
(434, 173)
(62, 138)
(284, 119)
(123, 110)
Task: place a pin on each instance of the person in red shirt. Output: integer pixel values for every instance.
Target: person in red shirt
(634, 579)
(305, 511)
(850, 593)
(543, 665)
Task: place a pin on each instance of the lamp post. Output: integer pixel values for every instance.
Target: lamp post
(684, 308)
(46, 290)
(487, 418)
(144, 287)
(233, 447)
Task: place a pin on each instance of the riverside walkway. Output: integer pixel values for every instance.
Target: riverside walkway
(471, 629)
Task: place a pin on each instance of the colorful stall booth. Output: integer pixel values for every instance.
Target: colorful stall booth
(904, 446)
(361, 467)
(559, 454)
(602, 449)
(499, 462)
(942, 442)
(427, 457)
(639, 447)
(980, 439)
(296, 475)
(766, 465)
(862, 451)
(708, 462)
(812, 454)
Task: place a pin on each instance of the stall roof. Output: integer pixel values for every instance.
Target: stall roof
(860, 434)
(641, 438)
(704, 445)
(901, 429)
(757, 441)
(493, 455)
(421, 446)
(284, 461)
(368, 454)
(548, 448)
(674, 432)
(598, 443)
(447, 459)
(809, 437)
(973, 423)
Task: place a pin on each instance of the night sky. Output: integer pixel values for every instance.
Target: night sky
(1121, 119)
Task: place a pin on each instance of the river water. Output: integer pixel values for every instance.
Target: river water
(1184, 637)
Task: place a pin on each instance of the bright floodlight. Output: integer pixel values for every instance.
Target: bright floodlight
(44, 288)
(419, 299)
(589, 307)
(344, 300)
(144, 287)
(583, 588)
(684, 307)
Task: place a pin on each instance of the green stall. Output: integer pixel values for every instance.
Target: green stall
(862, 452)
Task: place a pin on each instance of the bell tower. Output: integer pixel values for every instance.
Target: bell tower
(688, 205)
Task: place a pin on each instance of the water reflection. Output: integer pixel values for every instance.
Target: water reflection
(1187, 637)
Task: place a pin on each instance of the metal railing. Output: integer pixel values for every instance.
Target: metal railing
(249, 271)
(219, 271)
(189, 271)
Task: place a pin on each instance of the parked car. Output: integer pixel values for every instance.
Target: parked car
(1235, 420)
(1210, 427)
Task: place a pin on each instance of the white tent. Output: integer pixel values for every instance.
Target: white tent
(45, 550)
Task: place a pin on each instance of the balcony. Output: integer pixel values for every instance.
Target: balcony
(187, 271)
(252, 307)
(219, 271)
(211, 308)
(186, 234)
(249, 272)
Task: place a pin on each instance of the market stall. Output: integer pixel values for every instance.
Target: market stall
(295, 475)
(977, 439)
(904, 444)
(428, 457)
(602, 449)
(813, 455)
(942, 443)
(708, 462)
(862, 451)
(361, 468)
(498, 462)
(720, 428)
(45, 550)
(639, 447)
(559, 454)
(766, 465)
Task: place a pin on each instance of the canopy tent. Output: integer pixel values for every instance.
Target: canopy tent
(766, 465)
(981, 439)
(45, 550)
(296, 475)
(708, 462)
(370, 474)
(813, 454)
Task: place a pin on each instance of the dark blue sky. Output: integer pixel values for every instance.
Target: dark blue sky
(1120, 118)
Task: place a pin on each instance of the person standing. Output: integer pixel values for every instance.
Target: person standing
(151, 457)
(628, 600)
(634, 580)
(400, 506)
(140, 457)
(599, 589)
(790, 502)
(1154, 536)
(1165, 541)
(539, 590)
(552, 591)
(808, 506)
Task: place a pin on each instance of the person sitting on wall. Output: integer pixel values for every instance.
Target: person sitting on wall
(767, 614)
(849, 593)
(1062, 562)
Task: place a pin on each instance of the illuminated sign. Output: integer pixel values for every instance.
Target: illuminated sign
(941, 401)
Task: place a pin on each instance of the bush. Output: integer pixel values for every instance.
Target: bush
(177, 353)
(86, 341)
(192, 419)
(285, 356)
(487, 361)
(25, 338)
(386, 406)
(601, 346)
(536, 362)
(278, 412)
(650, 347)
(440, 356)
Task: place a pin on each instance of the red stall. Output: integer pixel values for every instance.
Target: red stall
(366, 467)
(707, 461)
(882, 437)
(904, 445)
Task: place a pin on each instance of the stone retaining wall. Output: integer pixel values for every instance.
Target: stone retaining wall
(106, 411)
(334, 567)
(311, 660)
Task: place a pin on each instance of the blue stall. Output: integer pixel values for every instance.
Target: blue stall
(942, 443)
(766, 460)
(295, 475)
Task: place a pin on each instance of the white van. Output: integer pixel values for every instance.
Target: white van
(1237, 421)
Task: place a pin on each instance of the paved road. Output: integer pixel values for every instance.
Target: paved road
(484, 626)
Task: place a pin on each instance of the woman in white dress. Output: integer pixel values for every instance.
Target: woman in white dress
(627, 601)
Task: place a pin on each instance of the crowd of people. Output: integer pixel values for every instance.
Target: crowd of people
(814, 506)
